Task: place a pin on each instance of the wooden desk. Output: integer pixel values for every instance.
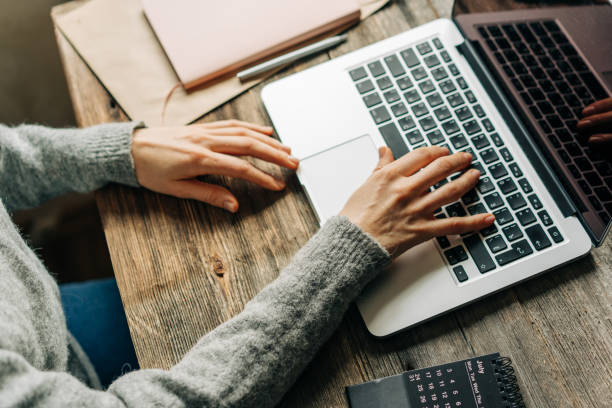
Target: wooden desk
(183, 268)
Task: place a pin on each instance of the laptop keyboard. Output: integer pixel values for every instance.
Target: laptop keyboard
(417, 97)
(556, 84)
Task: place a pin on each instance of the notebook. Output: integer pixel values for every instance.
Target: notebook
(206, 40)
(479, 382)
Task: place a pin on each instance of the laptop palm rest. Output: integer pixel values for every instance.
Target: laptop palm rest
(331, 176)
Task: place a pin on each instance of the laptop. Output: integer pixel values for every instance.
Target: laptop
(508, 87)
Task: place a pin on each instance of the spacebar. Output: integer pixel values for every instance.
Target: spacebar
(394, 140)
(479, 253)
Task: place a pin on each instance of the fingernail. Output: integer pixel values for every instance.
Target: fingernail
(584, 122)
(294, 160)
(280, 184)
(229, 206)
(490, 218)
(589, 110)
(596, 139)
(475, 172)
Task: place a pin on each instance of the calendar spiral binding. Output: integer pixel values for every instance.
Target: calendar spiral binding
(507, 383)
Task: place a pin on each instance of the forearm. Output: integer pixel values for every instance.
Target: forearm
(38, 163)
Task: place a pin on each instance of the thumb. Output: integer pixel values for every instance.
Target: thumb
(208, 193)
(385, 156)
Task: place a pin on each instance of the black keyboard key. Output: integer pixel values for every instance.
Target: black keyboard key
(462, 83)
(455, 255)
(419, 73)
(463, 113)
(486, 123)
(391, 96)
(537, 28)
(453, 69)
(409, 57)
(603, 193)
(414, 137)
(399, 109)
(393, 139)
(431, 61)
(358, 73)
(525, 186)
(496, 243)
(503, 43)
(471, 127)
(525, 216)
(498, 170)
(484, 185)
(380, 114)
(469, 95)
(595, 202)
(455, 100)
(406, 123)
(443, 242)
(470, 197)
(439, 73)
(519, 250)
(404, 83)
(490, 230)
(477, 166)
(593, 84)
(526, 32)
(535, 201)
(477, 209)
(384, 83)
(497, 140)
(437, 43)
(451, 127)
(427, 123)
(493, 201)
(538, 237)
(445, 56)
(479, 253)
(506, 185)
(460, 273)
(593, 178)
(412, 96)
(512, 232)
(434, 100)
(440, 184)
(505, 153)
(458, 141)
(442, 113)
(479, 111)
(515, 170)
(372, 99)
(545, 218)
(365, 86)
(585, 187)
(394, 65)
(447, 86)
(516, 201)
(455, 210)
(419, 109)
(503, 216)
(424, 48)
(495, 31)
(480, 141)
(376, 68)
(555, 234)
(427, 86)
(489, 155)
(435, 137)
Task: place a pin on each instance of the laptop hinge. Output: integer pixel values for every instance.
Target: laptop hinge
(521, 134)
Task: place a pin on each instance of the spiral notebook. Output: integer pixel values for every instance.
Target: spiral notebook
(479, 382)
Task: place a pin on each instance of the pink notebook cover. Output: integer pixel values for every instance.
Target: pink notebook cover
(207, 39)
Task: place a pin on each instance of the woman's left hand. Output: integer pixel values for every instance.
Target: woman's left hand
(168, 160)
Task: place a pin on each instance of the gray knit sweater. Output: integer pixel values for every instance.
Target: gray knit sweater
(250, 361)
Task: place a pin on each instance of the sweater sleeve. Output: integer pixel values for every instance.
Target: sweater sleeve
(249, 361)
(38, 163)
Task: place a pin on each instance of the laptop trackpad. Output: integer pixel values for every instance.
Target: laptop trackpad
(331, 176)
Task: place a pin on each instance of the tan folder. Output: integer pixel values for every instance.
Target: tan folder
(205, 40)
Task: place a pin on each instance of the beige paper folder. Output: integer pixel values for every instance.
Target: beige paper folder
(205, 40)
(117, 43)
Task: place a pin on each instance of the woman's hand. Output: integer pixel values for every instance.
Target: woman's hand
(395, 206)
(168, 160)
(596, 123)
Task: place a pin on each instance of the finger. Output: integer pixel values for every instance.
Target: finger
(233, 123)
(460, 225)
(248, 146)
(598, 107)
(601, 138)
(451, 192)
(225, 165)
(240, 131)
(385, 156)
(439, 169)
(206, 192)
(595, 121)
(414, 161)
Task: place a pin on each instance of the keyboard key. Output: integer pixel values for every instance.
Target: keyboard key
(555, 234)
(431, 61)
(516, 201)
(460, 273)
(525, 186)
(490, 230)
(365, 86)
(603, 193)
(480, 255)
(455, 255)
(424, 48)
(427, 123)
(512, 232)
(535, 202)
(545, 218)
(470, 197)
(434, 100)
(380, 114)
(399, 109)
(471, 127)
(484, 185)
(451, 127)
(394, 65)
(440, 183)
(419, 73)
(419, 109)
(445, 56)
(538, 237)
(372, 99)
(406, 123)
(506, 185)
(493, 201)
(486, 123)
(404, 83)
(525, 216)
(412, 96)
(443, 242)
(435, 137)
(519, 250)
(447, 86)
(463, 113)
(505, 153)
(391, 96)
(439, 73)
(496, 243)
(453, 69)
(437, 43)
(498, 170)
(414, 137)
(393, 139)
(427, 86)
(477, 209)
(358, 73)
(384, 83)
(489, 155)
(376, 68)
(503, 216)
(455, 210)
(515, 170)
(442, 113)
(409, 57)
(461, 83)
(458, 141)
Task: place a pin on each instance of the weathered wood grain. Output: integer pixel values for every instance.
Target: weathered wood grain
(183, 268)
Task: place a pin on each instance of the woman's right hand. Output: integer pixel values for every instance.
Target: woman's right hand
(396, 207)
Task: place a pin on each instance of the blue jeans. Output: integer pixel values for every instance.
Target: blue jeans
(95, 317)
